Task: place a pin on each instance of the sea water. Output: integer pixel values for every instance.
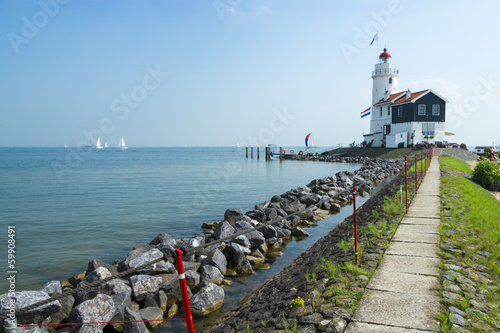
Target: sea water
(72, 205)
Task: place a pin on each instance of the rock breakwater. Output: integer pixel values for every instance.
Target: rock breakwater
(144, 284)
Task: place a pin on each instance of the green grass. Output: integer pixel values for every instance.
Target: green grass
(479, 211)
(452, 163)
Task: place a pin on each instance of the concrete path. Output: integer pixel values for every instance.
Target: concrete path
(401, 295)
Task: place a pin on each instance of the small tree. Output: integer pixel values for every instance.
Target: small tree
(463, 146)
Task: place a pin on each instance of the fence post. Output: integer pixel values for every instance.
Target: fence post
(416, 174)
(355, 224)
(184, 292)
(421, 167)
(406, 183)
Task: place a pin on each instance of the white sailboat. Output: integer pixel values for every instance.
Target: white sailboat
(310, 141)
(122, 145)
(99, 144)
(106, 145)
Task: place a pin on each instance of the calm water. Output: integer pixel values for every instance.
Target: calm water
(70, 206)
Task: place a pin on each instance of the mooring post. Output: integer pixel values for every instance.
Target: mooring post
(10, 325)
(246, 153)
(258, 152)
(406, 183)
(251, 151)
(355, 224)
(184, 292)
(281, 153)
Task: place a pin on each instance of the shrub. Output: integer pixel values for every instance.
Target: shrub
(486, 173)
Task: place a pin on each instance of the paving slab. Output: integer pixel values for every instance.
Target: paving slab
(415, 237)
(407, 264)
(418, 229)
(407, 311)
(421, 220)
(404, 283)
(354, 327)
(413, 249)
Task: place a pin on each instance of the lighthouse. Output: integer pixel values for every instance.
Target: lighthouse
(385, 78)
(402, 118)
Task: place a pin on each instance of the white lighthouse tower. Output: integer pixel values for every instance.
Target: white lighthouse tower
(385, 78)
(385, 83)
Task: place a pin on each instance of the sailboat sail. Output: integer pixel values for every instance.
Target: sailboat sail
(122, 145)
(99, 144)
(310, 141)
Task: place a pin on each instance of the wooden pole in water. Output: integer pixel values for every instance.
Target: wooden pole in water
(258, 152)
(246, 154)
(251, 151)
(281, 153)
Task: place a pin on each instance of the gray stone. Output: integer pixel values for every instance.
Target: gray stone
(25, 298)
(236, 248)
(458, 320)
(314, 318)
(151, 314)
(121, 302)
(299, 232)
(66, 307)
(244, 268)
(143, 284)
(161, 238)
(233, 215)
(216, 259)
(225, 229)
(455, 310)
(293, 207)
(94, 264)
(271, 213)
(269, 231)
(241, 240)
(192, 279)
(133, 323)
(210, 274)
(160, 267)
(207, 300)
(157, 300)
(99, 309)
(52, 287)
(255, 237)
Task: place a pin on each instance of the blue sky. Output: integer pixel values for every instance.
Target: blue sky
(206, 73)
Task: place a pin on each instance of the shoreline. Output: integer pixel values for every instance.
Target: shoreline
(141, 249)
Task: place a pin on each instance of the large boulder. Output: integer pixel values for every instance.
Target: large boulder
(99, 309)
(234, 248)
(225, 229)
(143, 284)
(160, 267)
(94, 264)
(150, 314)
(216, 259)
(233, 215)
(207, 300)
(90, 292)
(255, 237)
(52, 287)
(23, 299)
(161, 238)
(210, 274)
(133, 323)
(121, 301)
(242, 240)
(157, 300)
(293, 206)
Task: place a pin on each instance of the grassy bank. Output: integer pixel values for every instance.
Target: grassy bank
(470, 242)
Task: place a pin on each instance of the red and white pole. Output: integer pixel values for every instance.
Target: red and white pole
(355, 224)
(184, 292)
(406, 183)
(416, 174)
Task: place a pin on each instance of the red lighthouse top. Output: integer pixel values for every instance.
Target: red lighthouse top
(385, 54)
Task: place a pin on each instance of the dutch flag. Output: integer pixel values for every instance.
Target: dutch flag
(366, 112)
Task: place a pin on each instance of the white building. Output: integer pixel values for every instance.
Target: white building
(401, 119)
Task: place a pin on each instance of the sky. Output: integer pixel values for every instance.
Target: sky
(229, 72)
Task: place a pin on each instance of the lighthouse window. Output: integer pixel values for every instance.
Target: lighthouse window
(435, 110)
(390, 80)
(400, 111)
(421, 109)
(388, 110)
(381, 111)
